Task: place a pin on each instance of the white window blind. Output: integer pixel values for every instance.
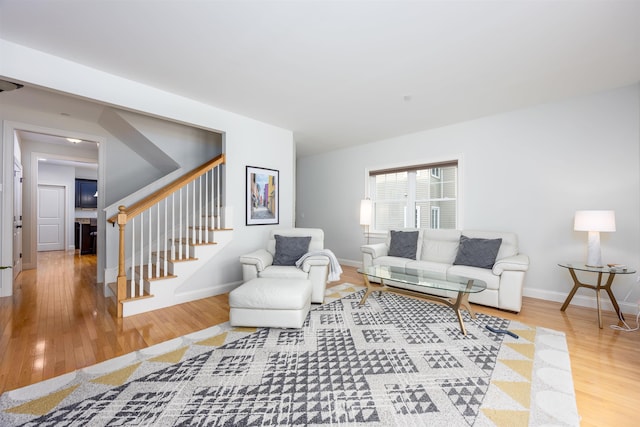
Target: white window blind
(423, 196)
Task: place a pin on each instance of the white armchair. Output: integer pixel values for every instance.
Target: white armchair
(314, 268)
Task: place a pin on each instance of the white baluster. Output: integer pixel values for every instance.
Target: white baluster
(206, 208)
(157, 237)
(141, 267)
(173, 225)
(132, 284)
(193, 213)
(218, 196)
(180, 225)
(150, 248)
(199, 208)
(164, 239)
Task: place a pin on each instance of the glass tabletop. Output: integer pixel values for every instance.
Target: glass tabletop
(416, 277)
(613, 268)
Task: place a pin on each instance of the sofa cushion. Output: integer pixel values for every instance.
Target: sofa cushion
(440, 245)
(477, 252)
(289, 249)
(438, 269)
(492, 280)
(392, 261)
(274, 294)
(403, 244)
(283, 272)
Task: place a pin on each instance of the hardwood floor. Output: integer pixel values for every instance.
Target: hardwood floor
(57, 321)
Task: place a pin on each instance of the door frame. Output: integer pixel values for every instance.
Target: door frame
(17, 265)
(6, 226)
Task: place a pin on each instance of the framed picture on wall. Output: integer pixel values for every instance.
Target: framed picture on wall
(262, 196)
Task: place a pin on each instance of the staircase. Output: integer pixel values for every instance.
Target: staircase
(166, 237)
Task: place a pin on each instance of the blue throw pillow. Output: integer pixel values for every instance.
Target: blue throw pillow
(290, 249)
(477, 252)
(403, 244)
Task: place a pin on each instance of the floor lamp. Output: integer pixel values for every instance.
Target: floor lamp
(365, 215)
(594, 222)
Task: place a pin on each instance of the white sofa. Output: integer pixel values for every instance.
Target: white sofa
(259, 264)
(436, 252)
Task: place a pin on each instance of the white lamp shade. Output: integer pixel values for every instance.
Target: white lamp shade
(365, 212)
(595, 221)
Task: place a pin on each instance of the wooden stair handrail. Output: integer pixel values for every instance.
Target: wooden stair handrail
(126, 213)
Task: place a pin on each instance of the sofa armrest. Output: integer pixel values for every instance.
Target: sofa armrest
(261, 259)
(315, 260)
(518, 262)
(375, 250)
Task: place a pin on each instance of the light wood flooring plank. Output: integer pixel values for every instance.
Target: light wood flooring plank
(58, 321)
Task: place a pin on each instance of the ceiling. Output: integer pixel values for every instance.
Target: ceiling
(348, 72)
(61, 159)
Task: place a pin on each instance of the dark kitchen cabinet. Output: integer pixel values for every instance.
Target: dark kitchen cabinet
(86, 193)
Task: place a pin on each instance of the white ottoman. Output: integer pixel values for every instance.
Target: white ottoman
(273, 303)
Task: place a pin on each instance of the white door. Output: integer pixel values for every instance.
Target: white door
(17, 219)
(51, 202)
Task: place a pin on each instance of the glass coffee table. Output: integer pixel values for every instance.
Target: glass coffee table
(426, 280)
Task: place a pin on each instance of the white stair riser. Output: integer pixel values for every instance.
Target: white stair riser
(163, 290)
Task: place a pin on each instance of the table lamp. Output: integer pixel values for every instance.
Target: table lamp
(365, 215)
(594, 222)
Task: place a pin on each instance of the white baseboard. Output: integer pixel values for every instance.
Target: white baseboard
(350, 263)
(206, 292)
(581, 300)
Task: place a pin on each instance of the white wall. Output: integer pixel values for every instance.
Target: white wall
(186, 146)
(525, 171)
(246, 141)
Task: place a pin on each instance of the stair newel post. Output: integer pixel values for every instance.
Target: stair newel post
(122, 275)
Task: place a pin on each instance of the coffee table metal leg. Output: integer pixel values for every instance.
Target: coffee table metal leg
(461, 301)
(614, 302)
(370, 288)
(607, 287)
(456, 307)
(576, 285)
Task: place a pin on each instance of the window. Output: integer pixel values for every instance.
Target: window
(420, 196)
(435, 216)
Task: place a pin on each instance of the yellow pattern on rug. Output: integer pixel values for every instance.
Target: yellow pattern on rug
(216, 341)
(507, 418)
(118, 377)
(171, 357)
(43, 405)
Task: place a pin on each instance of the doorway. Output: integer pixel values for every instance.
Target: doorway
(45, 215)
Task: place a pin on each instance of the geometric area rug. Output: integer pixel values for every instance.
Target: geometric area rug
(394, 361)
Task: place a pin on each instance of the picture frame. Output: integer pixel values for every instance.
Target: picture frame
(262, 196)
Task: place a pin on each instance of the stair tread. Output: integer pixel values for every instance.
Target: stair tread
(114, 290)
(190, 243)
(174, 260)
(162, 275)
